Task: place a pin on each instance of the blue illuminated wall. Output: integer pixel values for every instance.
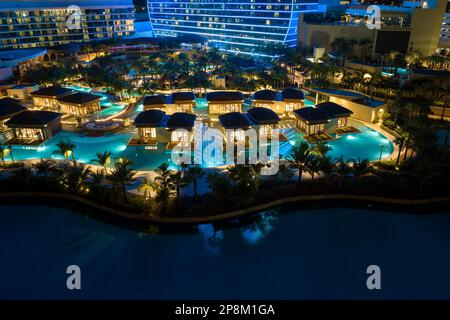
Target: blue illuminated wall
(231, 25)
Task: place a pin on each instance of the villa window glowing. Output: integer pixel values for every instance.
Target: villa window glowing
(180, 136)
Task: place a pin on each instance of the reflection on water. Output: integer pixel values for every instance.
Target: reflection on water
(259, 229)
(212, 238)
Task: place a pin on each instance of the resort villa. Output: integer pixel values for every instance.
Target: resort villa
(235, 124)
(158, 102)
(33, 127)
(264, 121)
(363, 107)
(314, 123)
(180, 125)
(293, 99)
(337, 112)
(79, 104)
(177, 102)
(47, 98)
(318, 122)
(221, 102)
(156, 127)
(182, 102)
(9, 108)
(150, 125)
(283, 103)
(21, 91)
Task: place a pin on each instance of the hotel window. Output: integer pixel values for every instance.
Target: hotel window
(180, 135)
(290, 106)
(149, 132)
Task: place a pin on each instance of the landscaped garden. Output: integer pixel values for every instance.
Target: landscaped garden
(349, 164)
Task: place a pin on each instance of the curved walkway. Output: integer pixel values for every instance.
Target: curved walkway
(222, 216)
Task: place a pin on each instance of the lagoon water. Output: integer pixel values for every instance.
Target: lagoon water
(284, 253)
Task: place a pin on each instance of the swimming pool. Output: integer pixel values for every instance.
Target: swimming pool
(365, 145)
(286, 253)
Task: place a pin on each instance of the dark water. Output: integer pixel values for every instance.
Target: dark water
(309, 254)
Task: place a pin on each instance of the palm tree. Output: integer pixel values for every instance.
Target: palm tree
(65, 148)
(321, 148)
(103, 159)
(10, 148)
(166, 186)
(76, 175)
(3, 152)
(342, 169)
(96, 180)
(123, 175)
(194, 173)
(361, 168)
(313, 166)
(400, 141)
(298, 159)
(147, 186)
(44, 167)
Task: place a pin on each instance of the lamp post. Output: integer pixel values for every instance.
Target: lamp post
(381, 153)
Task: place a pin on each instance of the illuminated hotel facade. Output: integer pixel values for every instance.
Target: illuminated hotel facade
(33, 23)
(233, 25)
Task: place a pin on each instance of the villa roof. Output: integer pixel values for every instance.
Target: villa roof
(312, 115)
(51, 92)
(10, 110)
(79, 98)
(266, 95)
(292, 94)
(333, 109)
(149, 118)
(219, 96)
(263, 116)
(32, 118)
(8, 101)
(154, 100)
(181, 120)
(183, 96)
(234, 120)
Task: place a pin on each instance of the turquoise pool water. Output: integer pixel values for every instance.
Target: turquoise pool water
(364, 145)
(285, 253)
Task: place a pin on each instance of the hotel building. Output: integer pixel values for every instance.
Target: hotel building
(33, 23)
(414, 26)
(234, 26)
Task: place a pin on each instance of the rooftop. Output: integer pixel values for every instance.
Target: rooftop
(234, 120)
(263, 116)
(51, 92)
(292, 94)
(266, 95)
(150, 118)
(181, 120)
(334, 109)
(183, 96)
(32, 118)
(154, 100)
(8, 101)
(9, 110)
(219, 96)
(312, 115)
(79, 98)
